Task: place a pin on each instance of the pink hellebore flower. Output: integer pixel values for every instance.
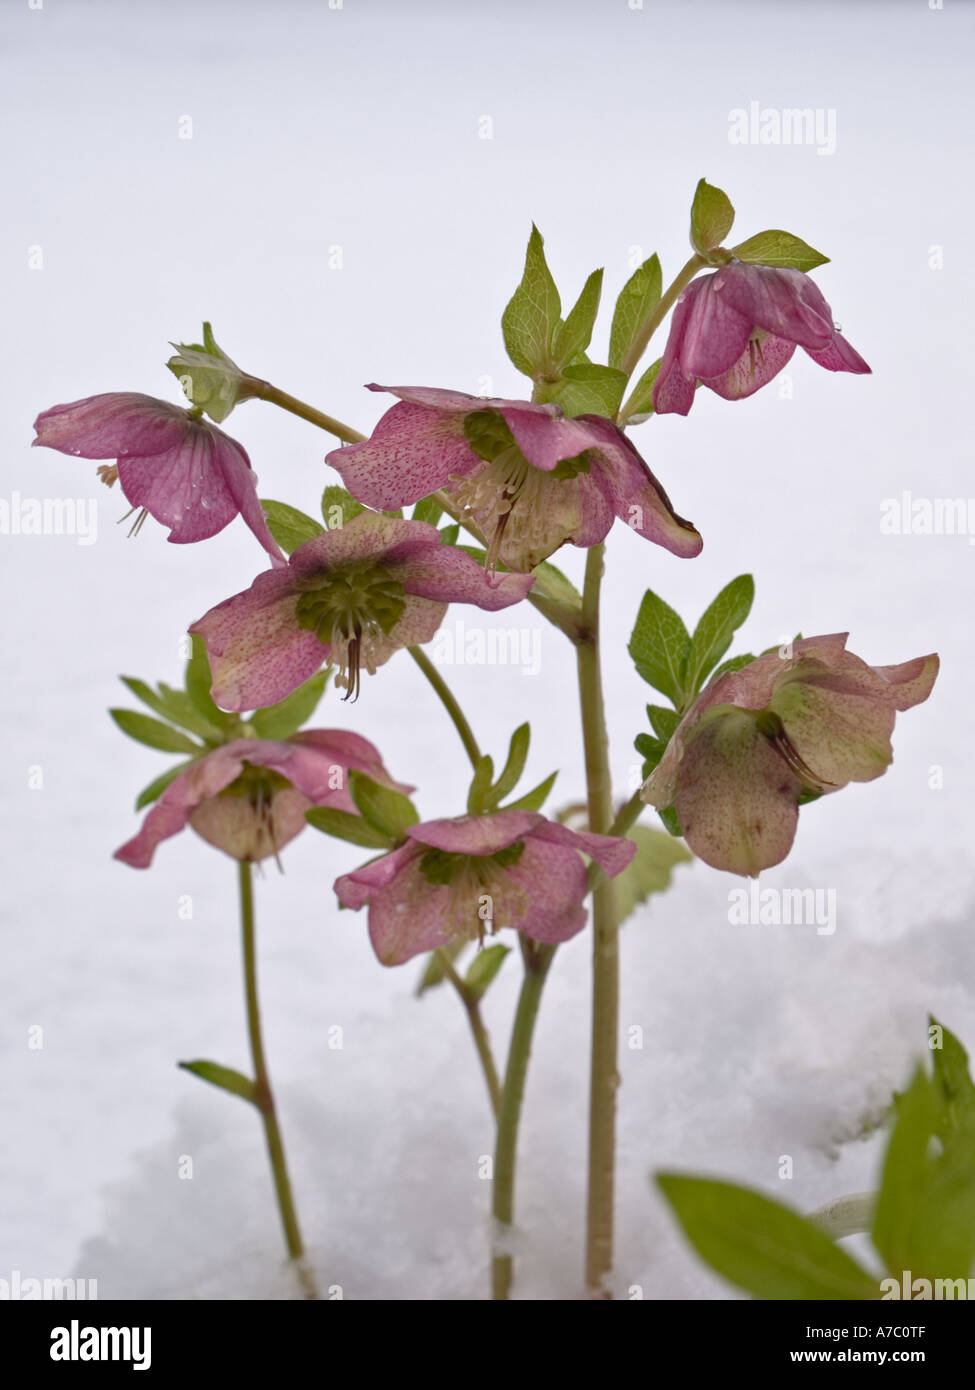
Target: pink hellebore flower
(530, 477)
(352, 596)
(171, 464)
(249, 797)
(476, 874)
(757, 740)
(735, 330)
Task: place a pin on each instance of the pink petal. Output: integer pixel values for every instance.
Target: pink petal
(555, 879)
(412, 452)
(409, 915)
(839, 356)
(611, 852)
(755, 368)
(481, 835)
(367, 536)
(782, 301)
(351, 750)
(673, 390)
(203, 778)
(450, 575)
(911, 681)
(359, 887)
(546, 439)
(715, 333)
(113, 425)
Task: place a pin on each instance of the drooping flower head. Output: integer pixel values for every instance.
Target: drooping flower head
(352, 597)
(759, 739)
(736, 329)
(249, 797)
(530, 477)
(471, 876)
(170, 464)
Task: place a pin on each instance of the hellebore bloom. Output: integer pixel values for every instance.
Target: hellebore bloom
(530, 477)
(353, 597)
(170, 464)
(473, 875)
(736, 329)
(249, 797)
(758, 740)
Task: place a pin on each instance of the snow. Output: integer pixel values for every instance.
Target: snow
(357, 128)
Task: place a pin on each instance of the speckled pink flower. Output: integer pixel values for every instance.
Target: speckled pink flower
(249, 797)
(170, 464)
(758, 740)
(735, 330)
(353, 597)
(531, 478)
(473, 875)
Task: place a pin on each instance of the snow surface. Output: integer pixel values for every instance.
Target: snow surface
(358, 127)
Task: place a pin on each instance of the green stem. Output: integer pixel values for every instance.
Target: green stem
(264, 391)
(846, 1216)
(481, 1039)
(264, 1098)
(605, 986)
(449, 702)
(653, 321)
(538, 959)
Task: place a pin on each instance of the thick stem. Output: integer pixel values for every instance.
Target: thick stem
(449, 702)
(481, 1039)
(605, 959)
(264, 391)
(264, 1098)
(538, 959)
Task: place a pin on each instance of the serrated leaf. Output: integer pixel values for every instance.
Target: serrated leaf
(650, 869)
(338, 507)
(575, 334)
(383, 808)
(283, 719)
(711, 217)
(343, 825)
(433, 970)
(651, 751)
(713, 634)
(535, 799)
(637, 301)
(760, 1245)
(659, 646)
(953, 1088)
(530, 321)
(428, 509)
(484, 968)
(480, 785)
(513, 768)
(289, 527)
(159, 784)
(182, 710)
(779, 249)
(905, 1175)
(639, 404)
(589, 389)
(663, 720)
(198, 680)
(153, 732)
(225, 1077)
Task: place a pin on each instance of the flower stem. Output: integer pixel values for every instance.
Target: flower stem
(846, 1216)
(482, 1041)
(605, 984)
(537, 958)
(653, 320)
(264, 1098)
(264, 391)
(449, 702)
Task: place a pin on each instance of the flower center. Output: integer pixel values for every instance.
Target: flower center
(348, 610)
(770, 724)
(482, 896)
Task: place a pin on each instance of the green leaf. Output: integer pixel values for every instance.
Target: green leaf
(650, 870)
(664, 721)
(639, 405)
(531, 319)
(781, 249)
(589, 389)
(713, 634)
(449, 534)
(289, 527)
(711, 217)
(281, 720)
(651, 750)
(671, 824)
(385, 809)
(225, 1077)
(197, 679)
(535, 799)
(338, 507)
(433, 971)
(153, 732)
(575, 334)
(554, 584)
(734, 663)
(178, 710)
(637, 301)
(428, 509)
(480, 785)
(905, 1176)
(659, 646)
(483, 969)
(159, 784)
(343, 825)
(953, 1088)
(513, 768)
(760, 1245)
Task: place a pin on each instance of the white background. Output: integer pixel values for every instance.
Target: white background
(315, 128)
